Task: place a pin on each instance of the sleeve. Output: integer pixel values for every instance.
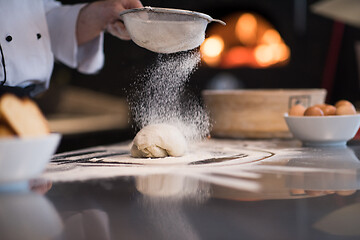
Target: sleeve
(61, 19)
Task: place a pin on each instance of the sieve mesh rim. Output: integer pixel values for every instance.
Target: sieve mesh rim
(172, 11)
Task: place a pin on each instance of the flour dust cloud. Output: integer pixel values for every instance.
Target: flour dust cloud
(160, 95)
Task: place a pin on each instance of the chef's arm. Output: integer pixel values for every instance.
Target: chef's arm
(98, 16)
(76, 31)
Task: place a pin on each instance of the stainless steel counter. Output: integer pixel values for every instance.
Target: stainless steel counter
(222, 189)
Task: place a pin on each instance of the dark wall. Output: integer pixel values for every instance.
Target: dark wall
(307, 34)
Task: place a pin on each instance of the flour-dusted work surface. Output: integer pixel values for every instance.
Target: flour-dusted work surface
(220, 189)
(231, 163)
(115, 160)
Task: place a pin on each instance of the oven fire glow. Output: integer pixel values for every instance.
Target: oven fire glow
(212, 49)
(249, 40)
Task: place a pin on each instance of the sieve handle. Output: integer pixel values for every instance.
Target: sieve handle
(219, 21)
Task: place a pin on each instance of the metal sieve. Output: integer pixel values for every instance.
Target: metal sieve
(165, 30)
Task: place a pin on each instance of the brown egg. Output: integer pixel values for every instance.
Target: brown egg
(342, 102)
(297, 110)
(320, 105)
(345, 192)
(313, 111)
(345, 110)
(328, 109)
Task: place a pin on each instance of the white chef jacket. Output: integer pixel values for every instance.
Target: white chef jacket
(33, 33)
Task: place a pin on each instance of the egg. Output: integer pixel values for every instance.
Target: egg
(313, 111)
(345, 192)
(297, 110)
(343, 102)
(328, 109)
(319, 105)
(345, 110)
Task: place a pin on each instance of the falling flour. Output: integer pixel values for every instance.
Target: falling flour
(161, 96)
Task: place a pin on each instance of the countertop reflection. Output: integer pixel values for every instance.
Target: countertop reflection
(242, 190)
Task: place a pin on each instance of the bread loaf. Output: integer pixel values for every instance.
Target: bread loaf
(22, 117)
(6, 131)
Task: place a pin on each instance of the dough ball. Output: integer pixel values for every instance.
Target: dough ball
(159, 140)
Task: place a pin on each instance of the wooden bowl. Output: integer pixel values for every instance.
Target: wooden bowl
(256, 113)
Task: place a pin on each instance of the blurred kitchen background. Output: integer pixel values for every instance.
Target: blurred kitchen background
(266, 44)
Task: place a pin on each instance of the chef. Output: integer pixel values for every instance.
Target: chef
(33, 33)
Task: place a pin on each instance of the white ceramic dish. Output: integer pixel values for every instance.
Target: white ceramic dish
(24, 158)
(28, 215)
(323, 131)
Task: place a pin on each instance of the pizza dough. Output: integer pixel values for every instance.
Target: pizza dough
(159, 140)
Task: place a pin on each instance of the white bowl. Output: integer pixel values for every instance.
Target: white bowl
(28, 215)
(24, 158)
(323, 131)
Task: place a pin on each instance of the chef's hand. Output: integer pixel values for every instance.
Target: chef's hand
(103, 15)
(40, 186)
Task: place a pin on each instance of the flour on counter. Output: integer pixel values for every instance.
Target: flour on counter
(258, 167)
(204, 159)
